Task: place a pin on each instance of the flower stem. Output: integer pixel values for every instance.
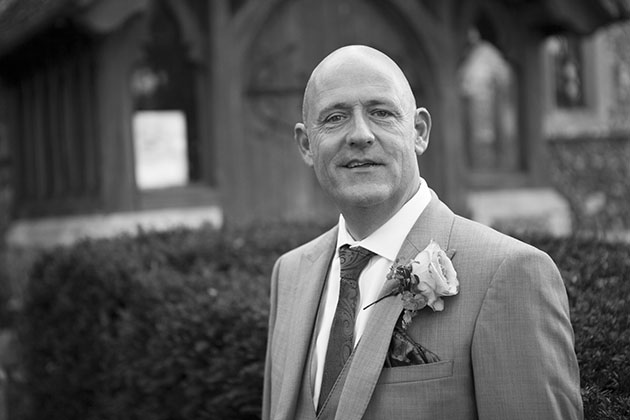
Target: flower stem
(392, 293)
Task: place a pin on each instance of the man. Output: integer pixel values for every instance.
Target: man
(503, 343)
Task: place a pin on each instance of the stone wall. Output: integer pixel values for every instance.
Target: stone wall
(593, 174)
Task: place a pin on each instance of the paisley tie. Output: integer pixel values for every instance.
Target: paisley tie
(341, 341)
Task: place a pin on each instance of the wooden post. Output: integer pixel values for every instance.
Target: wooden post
(531, 110)
(116, 58)
(220, 103)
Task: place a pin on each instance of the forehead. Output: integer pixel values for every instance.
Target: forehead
(353, 81)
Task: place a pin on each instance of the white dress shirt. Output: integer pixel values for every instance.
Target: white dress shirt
(385, 243)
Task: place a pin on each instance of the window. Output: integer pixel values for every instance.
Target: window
(569, 72)
(488, 88)
(166, 140)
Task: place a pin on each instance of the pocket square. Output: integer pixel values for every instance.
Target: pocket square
(404, 351)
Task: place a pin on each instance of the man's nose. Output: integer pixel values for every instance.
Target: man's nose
(360, 132)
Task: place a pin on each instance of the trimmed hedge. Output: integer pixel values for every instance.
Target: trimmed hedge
(597, 276)
(173, 325)
(160, 326)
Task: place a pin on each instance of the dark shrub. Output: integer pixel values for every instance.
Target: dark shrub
(173, 325)
(597, 276)
(161, 326)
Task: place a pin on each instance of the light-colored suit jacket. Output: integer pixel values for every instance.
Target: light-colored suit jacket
(505, 341)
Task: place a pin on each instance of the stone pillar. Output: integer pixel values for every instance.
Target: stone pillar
(6, 195)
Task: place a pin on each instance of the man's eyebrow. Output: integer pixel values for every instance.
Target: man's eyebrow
(384, 101)
(346, 105)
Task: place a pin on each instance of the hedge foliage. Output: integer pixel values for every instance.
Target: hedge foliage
(160, 326)
(597, 276)
(173, 325)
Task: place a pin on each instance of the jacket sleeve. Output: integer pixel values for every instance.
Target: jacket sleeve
(524, 362)
(267, 385)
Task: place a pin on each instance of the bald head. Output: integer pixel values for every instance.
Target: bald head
(356, 61)
(362, 134)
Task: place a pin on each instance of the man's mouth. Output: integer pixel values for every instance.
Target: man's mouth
(360, 164)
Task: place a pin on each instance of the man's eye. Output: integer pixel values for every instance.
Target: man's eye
(381, 113)
(334, 118)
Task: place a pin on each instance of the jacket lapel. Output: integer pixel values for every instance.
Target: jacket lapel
(309, 282)
(434, 223)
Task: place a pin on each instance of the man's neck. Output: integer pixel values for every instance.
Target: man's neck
(360, 227)
(361, 222)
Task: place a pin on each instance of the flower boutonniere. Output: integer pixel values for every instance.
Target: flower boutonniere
(421, 282)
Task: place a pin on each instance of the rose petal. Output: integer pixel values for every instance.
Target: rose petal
(438, 305)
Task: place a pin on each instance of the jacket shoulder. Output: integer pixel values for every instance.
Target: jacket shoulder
(475, 237)
(312, 247)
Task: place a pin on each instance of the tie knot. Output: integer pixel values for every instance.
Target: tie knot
(353, 261)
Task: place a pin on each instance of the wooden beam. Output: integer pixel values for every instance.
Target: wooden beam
(249, 20)
(106, 16)
(435, 32)
(578, 16)
(191, 32)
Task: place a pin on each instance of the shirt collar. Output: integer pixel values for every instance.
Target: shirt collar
(387, 239)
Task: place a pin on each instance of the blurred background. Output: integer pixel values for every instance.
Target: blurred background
(117, 115)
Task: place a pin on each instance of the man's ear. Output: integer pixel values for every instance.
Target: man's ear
(423, 129)
(303, 143)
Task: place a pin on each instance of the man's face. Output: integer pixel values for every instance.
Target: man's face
(361, 135)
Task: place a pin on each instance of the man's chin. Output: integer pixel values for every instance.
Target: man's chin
(365, 197)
